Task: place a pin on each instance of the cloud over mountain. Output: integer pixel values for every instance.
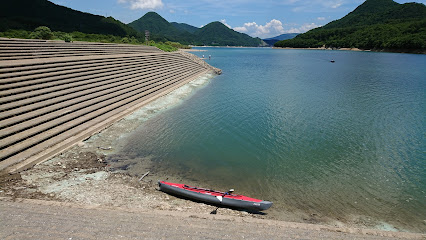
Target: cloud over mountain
(272, 28)
(143, 4)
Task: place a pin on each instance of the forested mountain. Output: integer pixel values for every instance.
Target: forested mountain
(184, 27)
(160, 29)
(213, 34)
(29, 14)
(375, 24)
(217, 34)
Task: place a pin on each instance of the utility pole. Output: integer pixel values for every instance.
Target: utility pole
(146, 36)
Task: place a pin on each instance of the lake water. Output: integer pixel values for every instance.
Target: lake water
(339, 142)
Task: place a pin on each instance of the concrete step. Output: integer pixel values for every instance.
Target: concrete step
(81, 99)
(22, 71)
(30, 104)
(23, 66)
(53, 94)
(4, 49)
(50, 84)
(25, 82)
(8, 73)
(6, 66)
(28, 147)
(39, 124)
(19, 50)
(18, 107)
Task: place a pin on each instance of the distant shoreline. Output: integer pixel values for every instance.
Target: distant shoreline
(410, 51)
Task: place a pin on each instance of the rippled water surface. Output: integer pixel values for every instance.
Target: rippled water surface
(324, 141)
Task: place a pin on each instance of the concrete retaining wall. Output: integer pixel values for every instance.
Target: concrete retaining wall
(55, 94)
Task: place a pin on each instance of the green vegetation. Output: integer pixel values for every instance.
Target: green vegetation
(217, 34)
(68, 38)
(160, 29)
(42, 32)
(79, 36)
(185, 27)
(376, 24)
(29, 14)
(213, 34)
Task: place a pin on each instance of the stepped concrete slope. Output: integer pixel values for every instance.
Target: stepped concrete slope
(55, 94)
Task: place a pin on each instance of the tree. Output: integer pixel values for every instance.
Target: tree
(42, 32)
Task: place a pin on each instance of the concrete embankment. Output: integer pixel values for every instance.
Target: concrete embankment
(55, 94)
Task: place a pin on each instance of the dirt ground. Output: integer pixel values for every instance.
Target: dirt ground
(39, 219)
(85, 178)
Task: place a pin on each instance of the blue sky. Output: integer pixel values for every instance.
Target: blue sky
(262, 19)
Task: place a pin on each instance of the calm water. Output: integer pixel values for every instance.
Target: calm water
(341, 141)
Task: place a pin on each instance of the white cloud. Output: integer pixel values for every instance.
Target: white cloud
(270, 29)
(224, 23)
(304, 28)
(336, 4)
(315, 5)
(321, 18)
(143, 4)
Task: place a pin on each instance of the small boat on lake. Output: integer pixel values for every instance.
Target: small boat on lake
(217, 198)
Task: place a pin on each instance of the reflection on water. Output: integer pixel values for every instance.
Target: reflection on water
(340, 142)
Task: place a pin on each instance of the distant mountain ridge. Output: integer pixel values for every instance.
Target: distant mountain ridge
(213, 34)
(375, 24)
(271, 41)
(29, 14)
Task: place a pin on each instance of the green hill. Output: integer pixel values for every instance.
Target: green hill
(160, 29)
(217, 34)
(29, 14)
(155, 24)
(214, 33)
(375, 24)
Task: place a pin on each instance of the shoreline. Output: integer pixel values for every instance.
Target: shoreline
(406, 51)
(93, 173)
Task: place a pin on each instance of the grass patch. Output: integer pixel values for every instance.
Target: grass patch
(45, 33)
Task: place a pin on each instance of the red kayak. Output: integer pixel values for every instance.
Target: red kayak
(215, 197)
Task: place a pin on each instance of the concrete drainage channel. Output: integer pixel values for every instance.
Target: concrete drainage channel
(55, 94)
